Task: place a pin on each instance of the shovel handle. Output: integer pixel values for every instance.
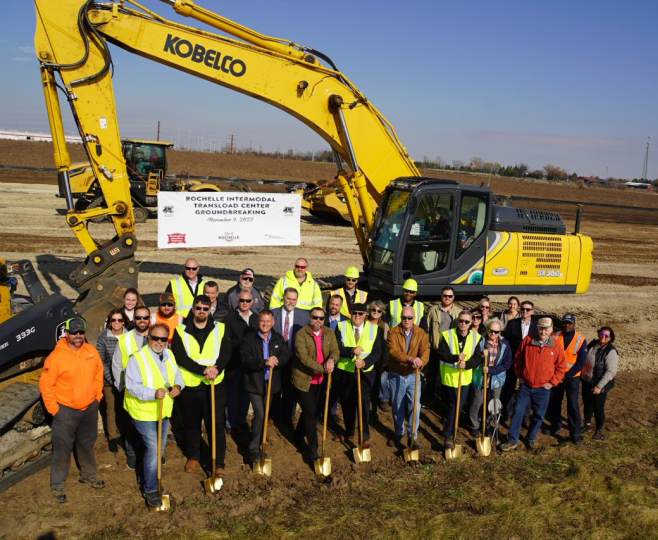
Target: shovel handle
(267, 409)
(413, 417)
(159, 469)
(213, 429)
(358, 386)
(459, 396)
(484, 407)
(326, 412)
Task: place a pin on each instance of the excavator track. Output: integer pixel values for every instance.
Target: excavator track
(15, 400)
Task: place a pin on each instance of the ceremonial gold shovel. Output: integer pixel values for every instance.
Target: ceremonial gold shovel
(408, 453)
(213, 484)
(360, 454)
(323, 465)
(264, 466)
(456, 452)
(163, 498)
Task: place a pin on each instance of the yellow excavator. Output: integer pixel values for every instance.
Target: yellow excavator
(435, 231)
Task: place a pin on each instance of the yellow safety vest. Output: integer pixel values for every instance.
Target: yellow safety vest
(366, 342)
(147, 411)
(205, 357)
(571, 354)
(450, 373)
(309, 294)
(182, 294)
(395, 311)
(361, 298)
(128, 346)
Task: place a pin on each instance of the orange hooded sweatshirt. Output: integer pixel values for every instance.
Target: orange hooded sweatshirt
(71, 378)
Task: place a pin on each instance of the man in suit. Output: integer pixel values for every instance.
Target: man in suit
(288, 319)
(515, 331)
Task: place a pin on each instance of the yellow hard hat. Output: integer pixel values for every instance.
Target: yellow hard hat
(410, 285)
(352, 272)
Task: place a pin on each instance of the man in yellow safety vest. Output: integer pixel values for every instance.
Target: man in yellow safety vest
(458, 350)
(348, 292)
(152, 375)
(186, 287)
(202, 349)
(360, 347)
(127, 344)
(309, 293)
(409, 291)
(575, 352)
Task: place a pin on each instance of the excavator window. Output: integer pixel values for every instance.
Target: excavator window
(472, 220)
(428, 246)
(387, 232)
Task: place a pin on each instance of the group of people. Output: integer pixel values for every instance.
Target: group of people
(147, 367)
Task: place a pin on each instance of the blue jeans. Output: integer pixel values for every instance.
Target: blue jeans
(237, 399)
(149, 433)
(538, 397)
(384, 389)
(402, 392)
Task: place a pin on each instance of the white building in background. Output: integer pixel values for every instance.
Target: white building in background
(46, 137)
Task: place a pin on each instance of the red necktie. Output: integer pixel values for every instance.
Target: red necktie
(286, 329)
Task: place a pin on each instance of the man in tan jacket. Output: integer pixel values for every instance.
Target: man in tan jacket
(408, 351)
(316, 352)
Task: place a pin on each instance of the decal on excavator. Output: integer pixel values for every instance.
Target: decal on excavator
(209, 57)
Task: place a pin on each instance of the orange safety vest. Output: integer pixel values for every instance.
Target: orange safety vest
(171, 323)
(571, 354)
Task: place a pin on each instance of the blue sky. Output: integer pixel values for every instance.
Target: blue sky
(571, 84)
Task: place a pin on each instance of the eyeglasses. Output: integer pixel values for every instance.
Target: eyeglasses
(301, 267)
(375, 310)
(407, 318)
(167, 304)
(526, 309)
(448, 295)
(604, 334)
(485, 307)
(247, 278)
(358, 313)
(317, 317)
(477, 316)
(245, 300)
(142, 317)
(494, 331)
(77, 332)
(464, 321)
(116, 320)
(159, 338)
(191, 268)
(202, 308)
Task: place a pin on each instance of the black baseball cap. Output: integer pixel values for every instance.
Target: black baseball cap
(76, 324)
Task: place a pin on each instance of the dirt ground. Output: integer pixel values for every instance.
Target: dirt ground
(623, 294)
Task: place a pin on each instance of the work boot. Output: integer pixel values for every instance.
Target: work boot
(475, 433)
(394, 441)
(577, 441)
(508, 446)
(587, 427)
(415, 445)
(191, 465)
(153, 499)
(113, 445)
(385, 406)
(219, 472)
(59, 495)
(598, 435)
(449, 443)
(93, 482)
(314, 454)
(131, 462)
(532, 445)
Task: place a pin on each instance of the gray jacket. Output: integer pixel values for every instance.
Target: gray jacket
(231, 298)
(105, 346)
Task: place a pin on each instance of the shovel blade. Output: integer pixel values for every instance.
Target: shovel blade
(213, 485)
(361, 454)
(322, 466)
(483, 445)
(454, 453)
(166, 504)
(410, 455)
(264, 467)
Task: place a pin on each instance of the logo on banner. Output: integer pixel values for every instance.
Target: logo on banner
(228, 237)
(176, 238)
(168, 211)
(288, 211)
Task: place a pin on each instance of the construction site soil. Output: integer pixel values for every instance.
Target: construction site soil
(623, 294)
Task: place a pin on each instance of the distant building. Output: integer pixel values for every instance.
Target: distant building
(593, 180)
(639, 185)
(25, 136)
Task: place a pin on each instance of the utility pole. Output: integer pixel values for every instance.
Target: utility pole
(158, 138)
(232, 137)
(646, 160)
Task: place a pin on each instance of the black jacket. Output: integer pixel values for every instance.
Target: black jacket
(184, 361)
(514, 335)
(237, 328)
(251, 354)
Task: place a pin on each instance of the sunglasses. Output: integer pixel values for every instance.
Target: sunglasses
(167, 304)
(201, 308)
(448, 295)
(142, 317)
(408, 291)
(358, 313)
(77, 332)
(245, 300)
(464, 321)
(477, 316)
(116, 320)
(351, 279)
(407, 318)
(301, 267)
(191, 268)
(247, 278)
(604, 334)
(375, 310)
(485, 307)
(526, 309)
(494, 331)
(317, 317)
(159, 338)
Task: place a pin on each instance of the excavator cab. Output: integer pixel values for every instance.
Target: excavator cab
(430, 230)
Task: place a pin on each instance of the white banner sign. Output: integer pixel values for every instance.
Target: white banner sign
(210, 219)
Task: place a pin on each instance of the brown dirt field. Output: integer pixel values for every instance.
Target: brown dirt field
(623, 294)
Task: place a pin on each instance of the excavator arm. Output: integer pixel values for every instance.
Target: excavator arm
(72, 40)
